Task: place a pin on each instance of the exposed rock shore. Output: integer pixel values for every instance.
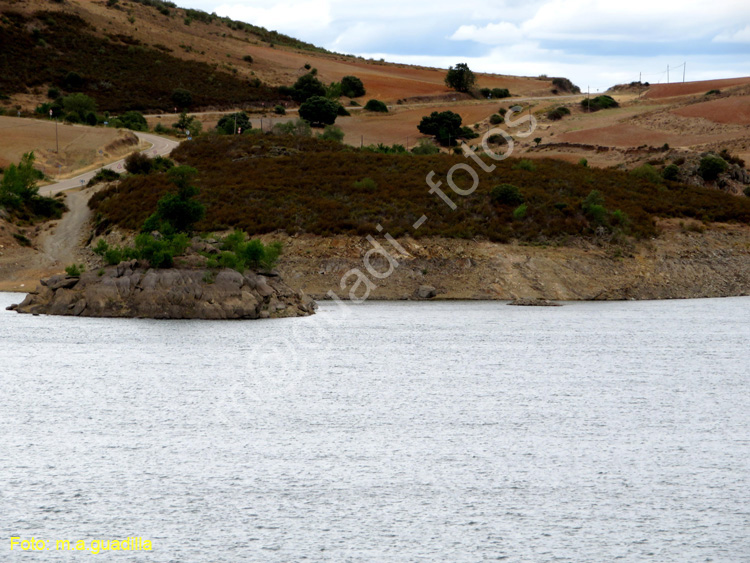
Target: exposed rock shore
(128, 290)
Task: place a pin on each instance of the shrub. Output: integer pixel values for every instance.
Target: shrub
(444, 126)
(496, 119)
(565, 85)
(177, 213)
(500, 93)
(724, 153)
(134, 120)
(425, 147)
(79, 104)
(247, 58)
(342, 111)
(525, 164)
(520, 212)
(104, 175)
(137, 163)
(319, 111)
(239, 254)
(506, 194)
(600, 102)
(593, 208)
(332, 133)
(376, 105)
(279, 110)
(647, 172)
(711, 166)
(296, 128)
(460, 78)
(53, 93)
(746, 191)
(75, 270)
(713, 92)
(671, 172)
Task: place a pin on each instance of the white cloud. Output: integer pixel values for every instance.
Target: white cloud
(290, 17)
(491, 34)
(740, 36)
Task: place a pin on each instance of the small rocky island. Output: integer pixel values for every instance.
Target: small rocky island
(131, 289)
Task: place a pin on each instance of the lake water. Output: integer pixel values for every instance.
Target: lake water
(383, 432)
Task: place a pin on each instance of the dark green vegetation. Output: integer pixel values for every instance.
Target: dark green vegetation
(60, 49)
(352, 87)
(565, 85)
(460, 78)
(104, 175)
(240, 254)
(376, 106)
(319, 111)
(307, 86)
(314, 191)
(165, 233)
(558, 113)
(711, 166)
(497, 93)
(600, 102)
(446, 127)
(19, 194)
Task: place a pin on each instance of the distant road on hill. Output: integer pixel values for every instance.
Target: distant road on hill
(160, 146)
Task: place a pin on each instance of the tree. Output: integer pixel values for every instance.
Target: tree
(306, 87)
(711, 166)
(134, 120)
(444, 126)
(332, 133)
(319, 111)
(460, 78)
(182, 98)
(137, 163)
(188, 123)
(506, 194)
(229, 124)
(177, 213)
(79, 104)
(376, 105)
(18, 185)
(352, 87)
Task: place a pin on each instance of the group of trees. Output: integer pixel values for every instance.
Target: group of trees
(19, 193)
(446, 127)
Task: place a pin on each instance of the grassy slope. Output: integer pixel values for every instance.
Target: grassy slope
(313, 191)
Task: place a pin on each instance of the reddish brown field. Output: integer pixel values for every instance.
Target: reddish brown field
(688, 88)
(735, 110)
(626, 135)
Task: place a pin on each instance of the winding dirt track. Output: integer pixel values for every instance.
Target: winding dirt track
(58, 246)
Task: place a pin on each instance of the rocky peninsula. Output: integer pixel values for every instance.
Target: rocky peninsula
(133, 290)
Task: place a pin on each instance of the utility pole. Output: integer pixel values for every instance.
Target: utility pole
(684, 68)
(588, 99)
(667, 74)
(235, 123)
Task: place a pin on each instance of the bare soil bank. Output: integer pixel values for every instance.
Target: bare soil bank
(682, 263)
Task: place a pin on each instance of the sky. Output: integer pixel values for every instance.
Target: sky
(594, 43)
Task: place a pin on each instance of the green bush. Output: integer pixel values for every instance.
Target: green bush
(104, 175)
(248, 58)
(496, 119)
(425, 147)
(332, 133)
(177, 213)
(593, 208)
(366, 184)
(520, 212)
(506, 194)
(239, 254)
(583, 162)
(279, 110)
(306, 87)
(500, 93)
(134, 121)
(295, 128)
(599, 102)
(648, 173)
(525, 164)
(182, 98)
(352, 87)
(376, 105)
(711, 166)
(671, 172)
(231, 123)
(445, 126)
(75, 270)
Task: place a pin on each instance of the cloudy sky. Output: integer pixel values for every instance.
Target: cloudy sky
(595, 43)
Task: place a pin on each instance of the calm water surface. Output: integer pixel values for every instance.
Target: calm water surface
(384, 432)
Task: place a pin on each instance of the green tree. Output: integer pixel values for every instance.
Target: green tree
(189, 123)
(79, 104)
(18, 185)
(460, 78)
(229, 124)
(711, 166)
(319, 111)
(445, 126)
(134, 120)
(352, 87)
(332, 133)
(177, 212)
(306, 87)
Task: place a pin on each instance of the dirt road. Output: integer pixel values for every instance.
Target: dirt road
(58, 246)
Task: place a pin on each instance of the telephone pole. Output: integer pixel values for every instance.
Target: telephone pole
(667, 74)
(684, 68)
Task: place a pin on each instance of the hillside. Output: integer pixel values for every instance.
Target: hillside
(304, 185)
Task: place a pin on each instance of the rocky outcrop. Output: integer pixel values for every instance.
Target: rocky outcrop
(128, 290)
